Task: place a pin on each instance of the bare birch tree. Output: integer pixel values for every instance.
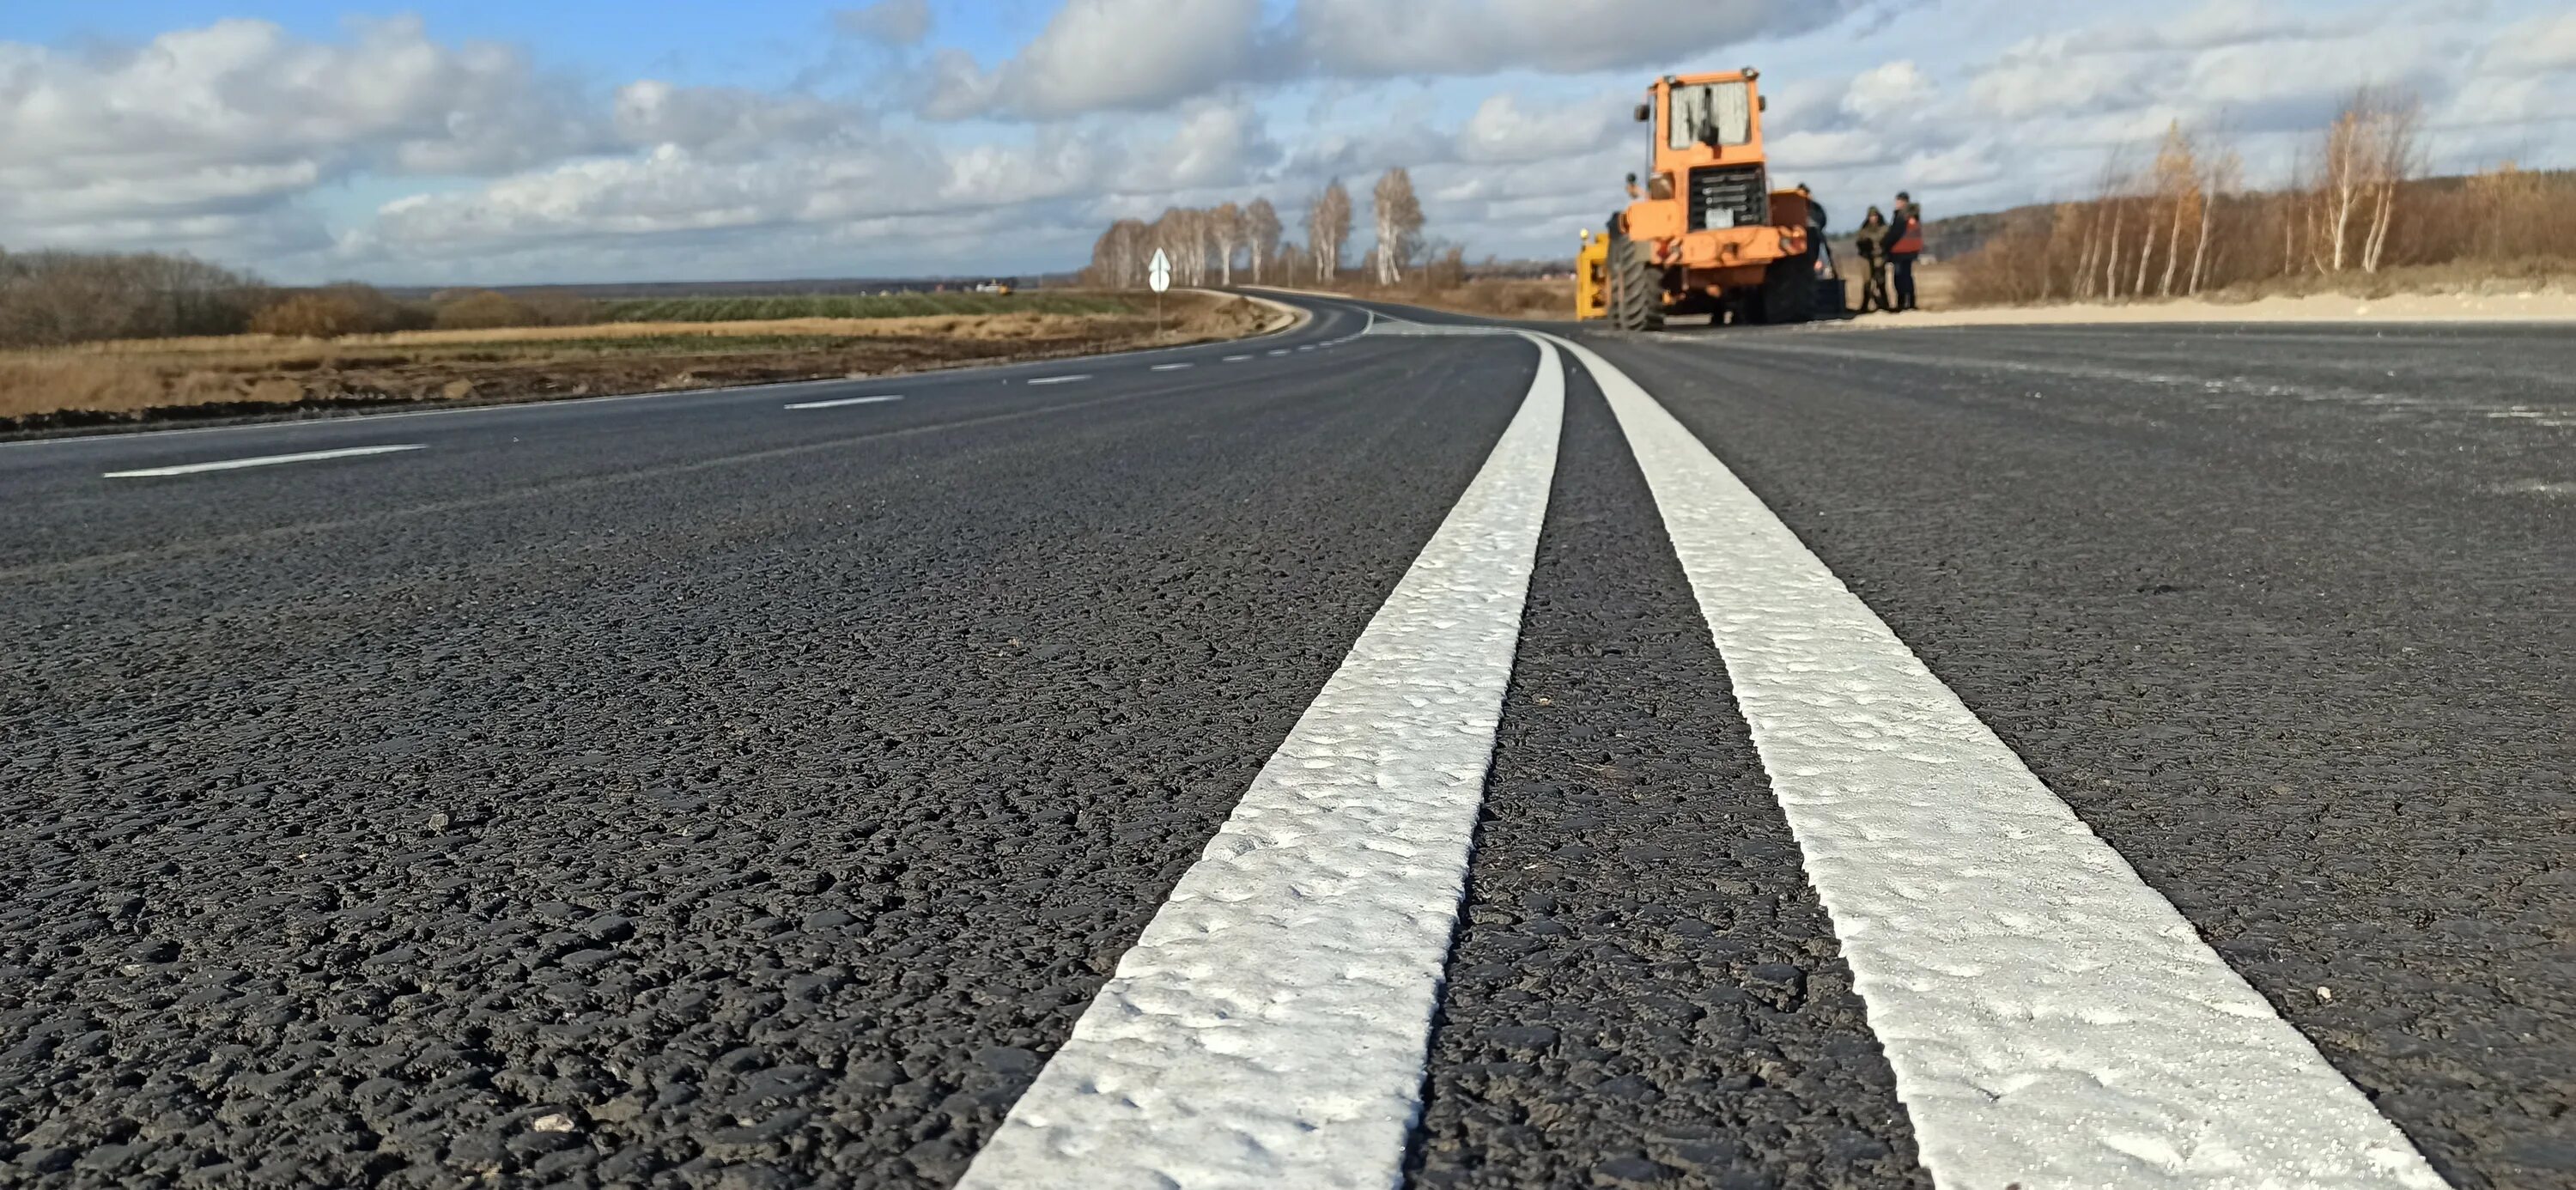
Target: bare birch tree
(2219, 179)
(1225, 227)
(2343, 180)
(1398, 212)
(2395, 158)
(1261, 228)
(1328, 229)
(2178, 178)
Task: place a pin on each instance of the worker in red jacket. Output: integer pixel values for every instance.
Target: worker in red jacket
(1904, 243)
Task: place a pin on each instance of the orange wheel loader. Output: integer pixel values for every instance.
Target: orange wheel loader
(1706, 233)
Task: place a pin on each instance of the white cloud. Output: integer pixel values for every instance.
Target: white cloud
(1376, 38)
(1888, 91)
(1113, 55)
(888, 22)
(1505, 132)
(725, 122)
(2537, 46)
(201, 132)
(1107, 55)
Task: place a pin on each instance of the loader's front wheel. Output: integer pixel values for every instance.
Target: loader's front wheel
(1636, 287)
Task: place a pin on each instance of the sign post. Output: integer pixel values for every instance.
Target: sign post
(1159, 275)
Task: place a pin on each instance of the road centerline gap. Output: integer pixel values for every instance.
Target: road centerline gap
(1270, 1026)
(2051, 1019)
(310, 456)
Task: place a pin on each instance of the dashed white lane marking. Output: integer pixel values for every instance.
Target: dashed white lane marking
(2052, 1020)
(1281, 351)
(1236, 359)
(1172, 367)
(1058, 380)
(1269, 1027)
(844, 401)
(310, 456)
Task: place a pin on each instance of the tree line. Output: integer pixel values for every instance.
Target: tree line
(1212, 245)
(55, 299)
(2185, 222)
(49, 299)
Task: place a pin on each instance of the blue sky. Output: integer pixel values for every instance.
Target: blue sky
(586, 140)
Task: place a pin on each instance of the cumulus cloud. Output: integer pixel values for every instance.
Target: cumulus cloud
(888, 22)
(198, 130)
(1891, 90)
(725, 123)
(1377, 39)
(2538, 46)
(1106, 55)
(1508, 130)
(1109, 55)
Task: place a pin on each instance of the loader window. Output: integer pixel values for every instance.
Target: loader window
(1712, 114)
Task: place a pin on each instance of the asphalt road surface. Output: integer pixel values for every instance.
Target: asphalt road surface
(1400, 751)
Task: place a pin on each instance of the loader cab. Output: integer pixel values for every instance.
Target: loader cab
(1708, 171)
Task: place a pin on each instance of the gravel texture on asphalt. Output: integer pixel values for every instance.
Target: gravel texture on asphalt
(712, 797)
(2283, 615)
(1644, 990)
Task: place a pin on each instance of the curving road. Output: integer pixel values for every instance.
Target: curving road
(1798, 758)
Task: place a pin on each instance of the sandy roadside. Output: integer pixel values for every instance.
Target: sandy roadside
(2533, 306)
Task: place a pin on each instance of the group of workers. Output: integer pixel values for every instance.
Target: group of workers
(1889, 246)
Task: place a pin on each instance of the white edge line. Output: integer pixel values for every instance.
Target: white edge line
(2052, 1020)
(311, 456)
(1270, 1026)
(845, 401)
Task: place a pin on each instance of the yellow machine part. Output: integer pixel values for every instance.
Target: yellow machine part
(1592, 278)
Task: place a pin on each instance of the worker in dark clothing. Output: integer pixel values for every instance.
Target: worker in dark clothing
(1817, 221)
(1871, 240)
(1904, 244)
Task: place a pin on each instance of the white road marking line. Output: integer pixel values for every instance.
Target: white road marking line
(1172, 367)
(844, 401)
(1269, 1028)
(1236, 359)
(2052, 1020)
(1281, 351)
(1058, 380)
(310, 456)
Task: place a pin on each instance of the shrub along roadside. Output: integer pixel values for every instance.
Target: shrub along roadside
(51, 299)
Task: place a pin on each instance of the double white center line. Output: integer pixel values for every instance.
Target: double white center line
(2052, 1021)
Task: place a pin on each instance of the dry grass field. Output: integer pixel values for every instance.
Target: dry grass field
(100, 383)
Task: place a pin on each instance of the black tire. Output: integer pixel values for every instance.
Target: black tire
(1789, 289)
(1636, 287)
